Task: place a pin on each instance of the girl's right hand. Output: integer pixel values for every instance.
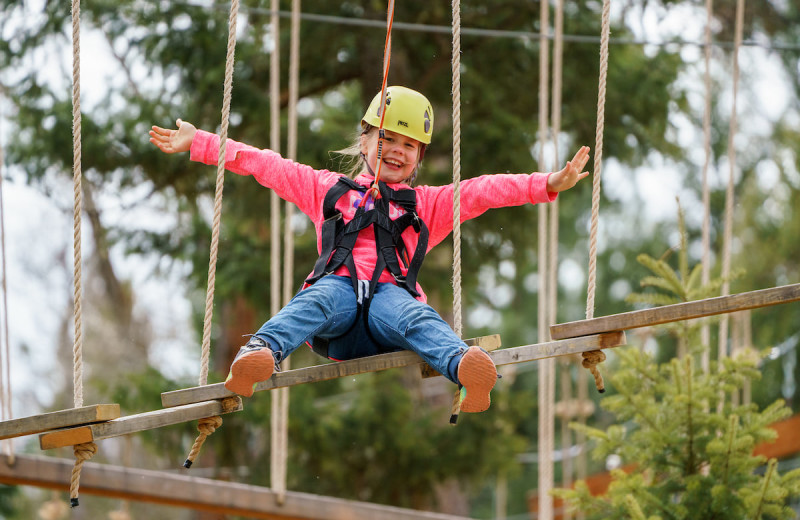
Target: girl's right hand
(173, 141)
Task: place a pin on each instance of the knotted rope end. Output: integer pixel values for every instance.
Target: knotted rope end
(206, 427)
(590, 361)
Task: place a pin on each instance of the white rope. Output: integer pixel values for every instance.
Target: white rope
(83, 452)
(208, 425)
(456, 94)
(729, 195)
(275, 145)
(291, 148)
(5, 367)
(77, 348)
(591, 359)
(705, 331)
(456, 71)
(280, 398)
(598, 157)
(566, 380)
(547, 366)
(212, 264)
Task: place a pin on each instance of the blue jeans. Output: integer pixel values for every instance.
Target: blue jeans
(397, 322)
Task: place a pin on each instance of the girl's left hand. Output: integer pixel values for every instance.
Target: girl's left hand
(571, 174)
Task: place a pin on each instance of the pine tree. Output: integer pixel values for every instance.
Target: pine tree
(688, 450)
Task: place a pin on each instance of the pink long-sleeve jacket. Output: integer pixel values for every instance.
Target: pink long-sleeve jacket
(307, 187)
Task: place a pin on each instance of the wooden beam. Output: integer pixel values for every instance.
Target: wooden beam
(55, 420)
(563, 347)
(678, 312)
(393, 360)
(138, 423)
(201, 494)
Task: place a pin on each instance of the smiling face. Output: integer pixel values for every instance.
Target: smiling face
(399, 158)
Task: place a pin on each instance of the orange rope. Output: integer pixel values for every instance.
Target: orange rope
(387, 58)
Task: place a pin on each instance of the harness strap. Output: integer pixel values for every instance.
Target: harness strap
(338, 240)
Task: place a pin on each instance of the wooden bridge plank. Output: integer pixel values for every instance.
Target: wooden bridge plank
(138, 422)
(60, 419)
(678, 312)
(386, 361)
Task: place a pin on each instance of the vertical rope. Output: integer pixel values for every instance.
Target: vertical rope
(705, 331)
(275, 125)
(546, 366)
(212, 264)
(581, 465)
(456, 94)
(275, 145)
(291, 147)
(590, 359)
(83, 452)
(280, 397)
(729, 195)
(209, 424)
(456, 70)
(566, 380)
(5, 368)
(77, 349)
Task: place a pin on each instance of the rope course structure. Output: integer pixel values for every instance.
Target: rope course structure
(81, 426)
(5, 366)
(207, 425)
(546, 391)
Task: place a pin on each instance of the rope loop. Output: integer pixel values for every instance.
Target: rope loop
(83, 452)
(206, 427)
(590, 361)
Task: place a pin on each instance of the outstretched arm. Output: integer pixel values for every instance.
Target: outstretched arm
(571, 174)
(173, 141)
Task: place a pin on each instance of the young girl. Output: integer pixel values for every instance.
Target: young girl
(362, 297)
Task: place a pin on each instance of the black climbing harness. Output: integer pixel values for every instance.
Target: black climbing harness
(339, 239)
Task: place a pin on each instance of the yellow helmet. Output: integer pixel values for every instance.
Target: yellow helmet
(407, 112)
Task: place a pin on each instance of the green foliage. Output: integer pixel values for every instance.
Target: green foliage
(181, 48)
(687, 448)
(380, 445)
(678, 286)
(688, 451)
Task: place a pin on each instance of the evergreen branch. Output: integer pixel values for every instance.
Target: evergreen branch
(690, 430)
(694, 278)
(657, 281)
(683, 255)
(767, 478)
(734, 422)
(633, 508)
(661, 268)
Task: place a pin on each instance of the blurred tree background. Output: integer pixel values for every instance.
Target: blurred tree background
(162, 60)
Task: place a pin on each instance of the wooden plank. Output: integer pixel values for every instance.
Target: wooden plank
(200, 494)
(487, 343)
(678, 312)
(60, 419)
(138, 422)
(386, 361)
(563, 347)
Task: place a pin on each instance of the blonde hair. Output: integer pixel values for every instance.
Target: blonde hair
(351, 160)
(351, 163)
